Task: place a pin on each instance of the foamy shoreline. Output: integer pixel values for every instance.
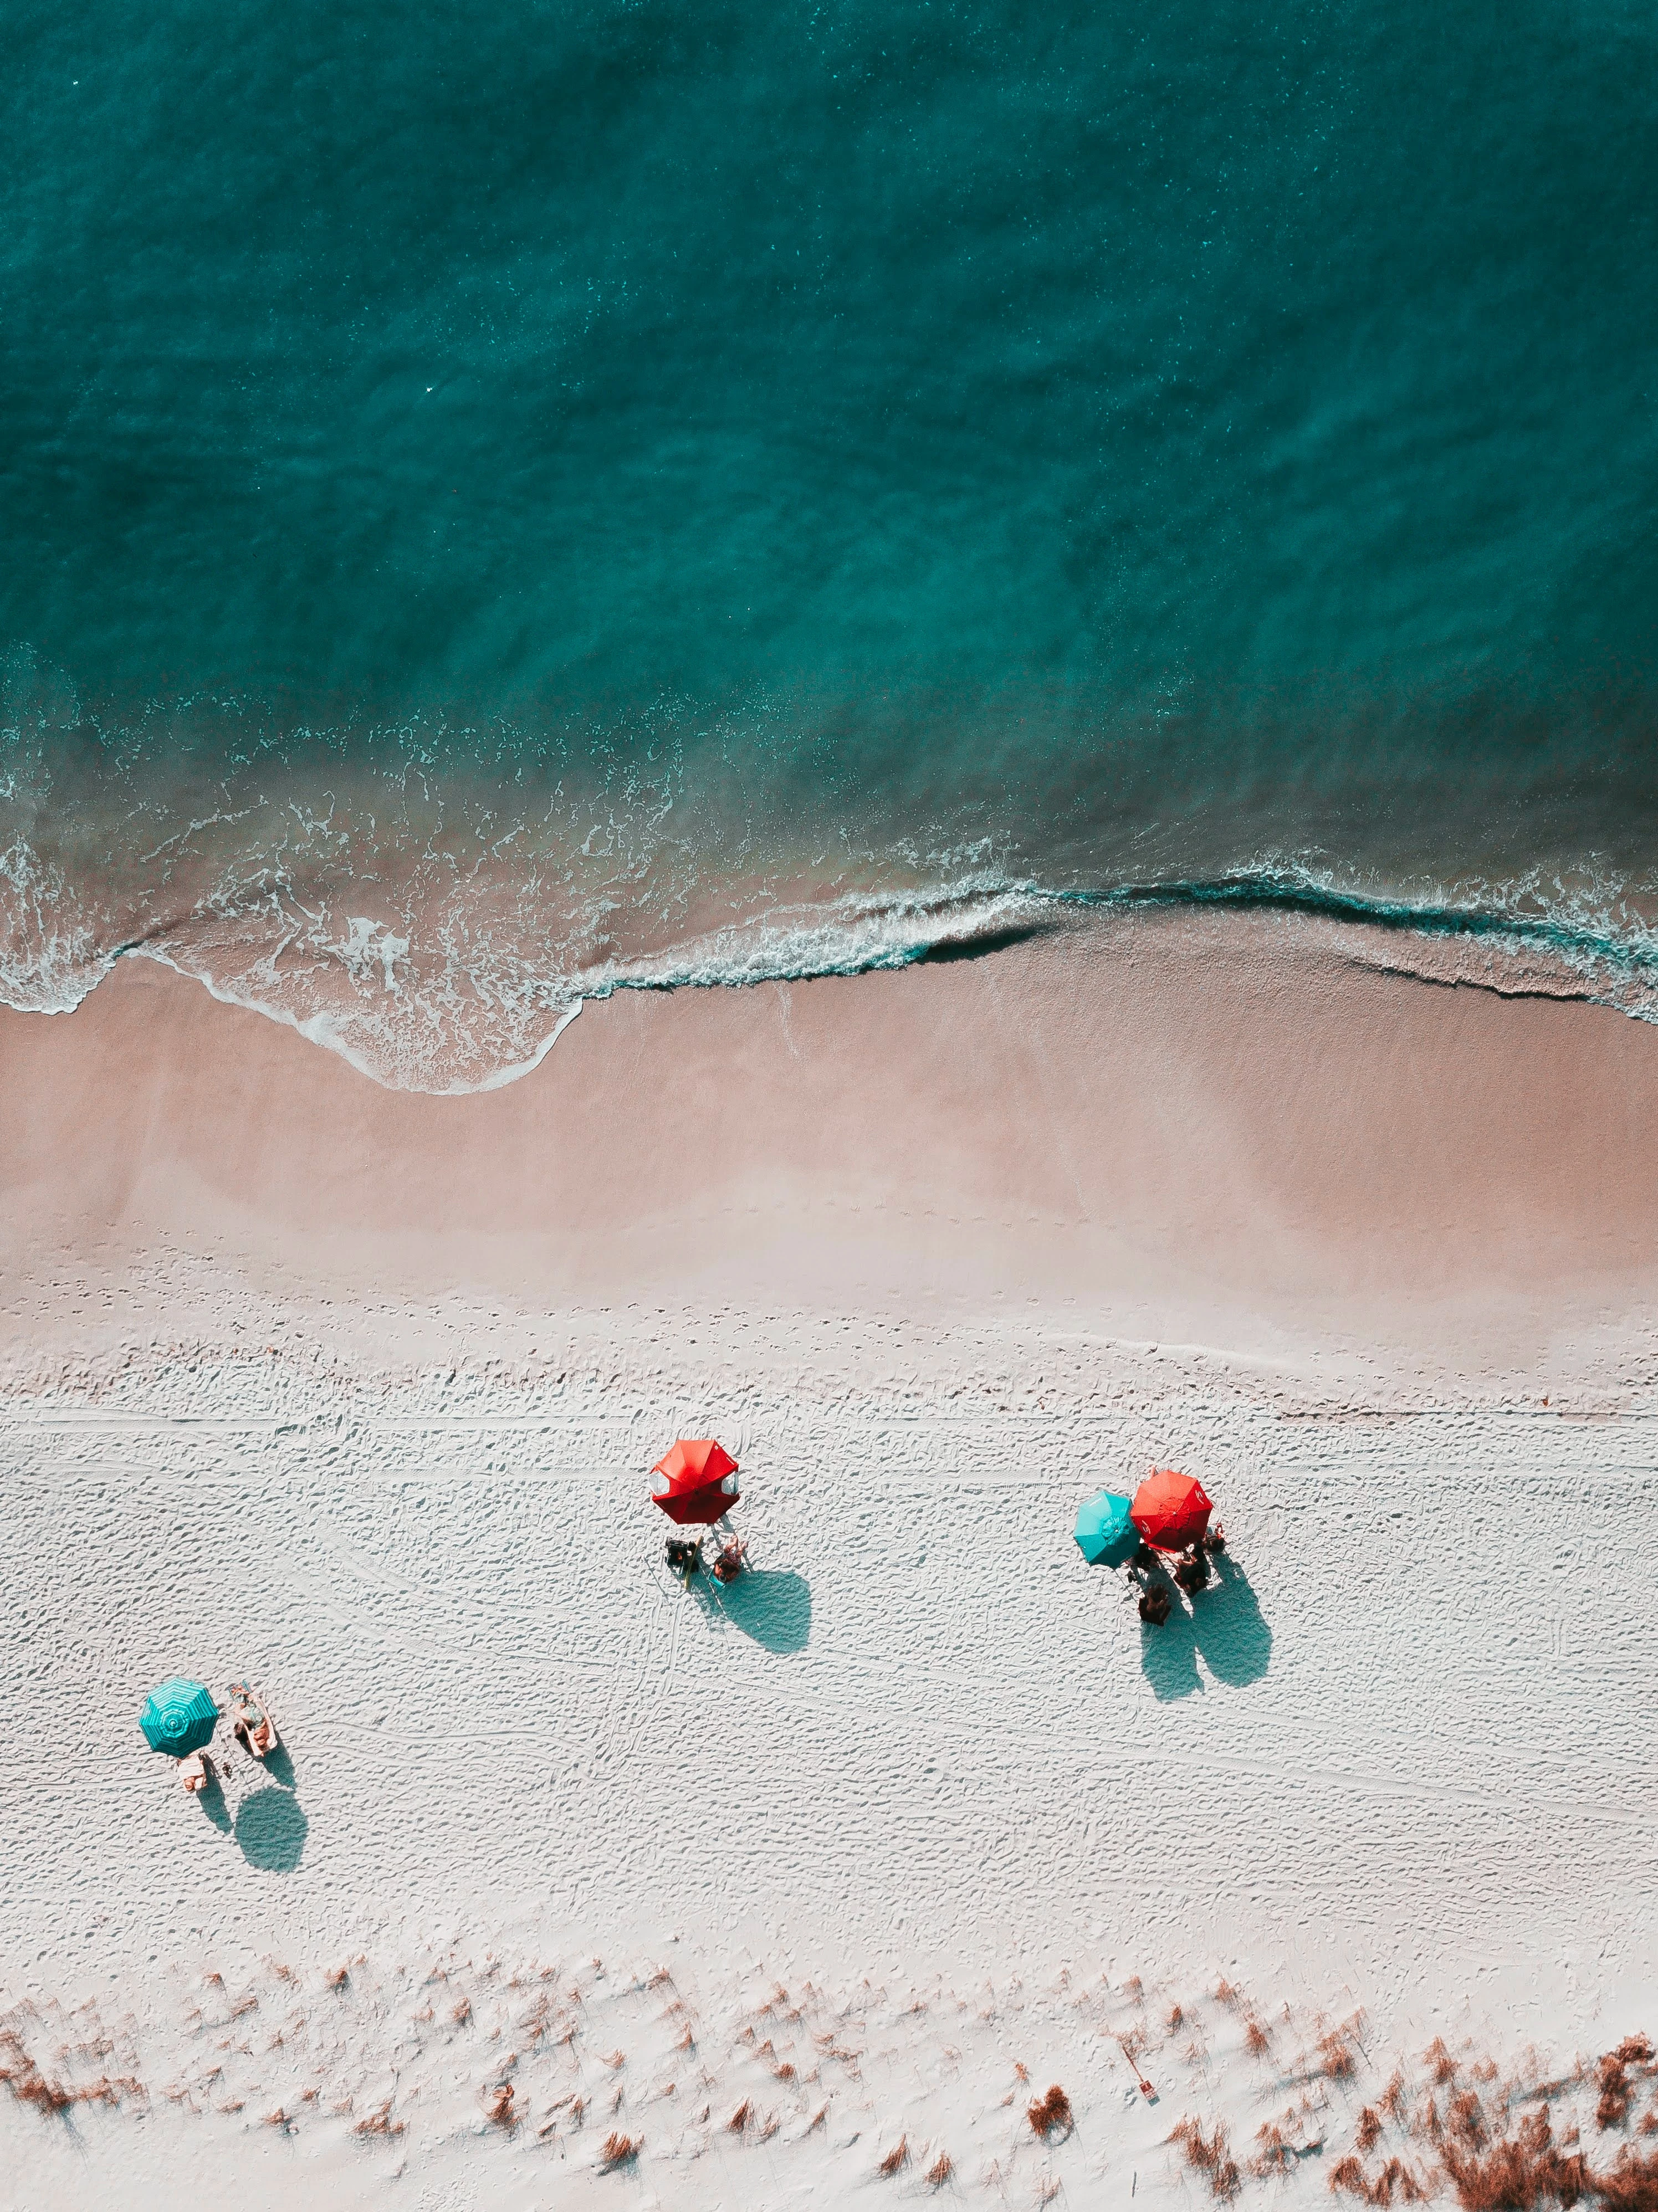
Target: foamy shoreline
(456, 983)
(356, 1390)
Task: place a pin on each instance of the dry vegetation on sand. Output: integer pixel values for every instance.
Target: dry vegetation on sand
(1495, 2145)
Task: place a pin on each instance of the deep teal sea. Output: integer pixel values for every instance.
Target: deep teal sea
(497, 503)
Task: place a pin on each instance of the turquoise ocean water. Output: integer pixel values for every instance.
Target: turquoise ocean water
(497, 504)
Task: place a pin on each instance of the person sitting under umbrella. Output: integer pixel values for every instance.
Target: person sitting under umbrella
(179, 1719)
(694, 1484)
(684, 1557)
(1193, 1572)
(1171, 1513)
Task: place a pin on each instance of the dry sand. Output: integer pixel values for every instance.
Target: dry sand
(356, 1391)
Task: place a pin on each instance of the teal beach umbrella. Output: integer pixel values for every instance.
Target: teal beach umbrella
(178, 1718)
(1104, 1531)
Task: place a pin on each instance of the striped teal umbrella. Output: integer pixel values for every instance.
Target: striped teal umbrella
(178, 1718)
(1104, 1531)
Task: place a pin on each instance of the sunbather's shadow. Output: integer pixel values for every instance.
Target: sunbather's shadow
(1232, 1630)
(1170, 1655)
(770, 1604)
(279, 1766)
(1223, 1625)
(211, 1798)
(271, 1830)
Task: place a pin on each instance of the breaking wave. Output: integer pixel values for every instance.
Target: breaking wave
(470, 989)
(1560, 940)
(436, 913)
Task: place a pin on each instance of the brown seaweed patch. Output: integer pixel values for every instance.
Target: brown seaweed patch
(30, 2085)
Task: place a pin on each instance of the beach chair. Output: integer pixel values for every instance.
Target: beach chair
(684, 1557)
(196, 1772)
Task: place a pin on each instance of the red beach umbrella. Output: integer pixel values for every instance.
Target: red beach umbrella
(1170, 1510)
(696, 1479)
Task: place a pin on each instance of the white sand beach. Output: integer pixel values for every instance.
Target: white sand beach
(807, 1889)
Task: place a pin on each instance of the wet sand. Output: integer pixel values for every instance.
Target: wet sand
(1223, 1130)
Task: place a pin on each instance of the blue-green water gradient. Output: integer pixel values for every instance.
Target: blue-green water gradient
(916, 448)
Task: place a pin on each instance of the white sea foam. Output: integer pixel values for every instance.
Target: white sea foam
(455, 1032)
(50, 953)
(464, 982)
(439, 934)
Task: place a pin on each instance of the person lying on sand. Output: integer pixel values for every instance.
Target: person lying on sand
(254, 1728)
(197, 1771)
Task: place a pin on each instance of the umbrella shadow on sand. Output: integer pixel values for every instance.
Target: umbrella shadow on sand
(770, 1604)
(271, 1830)
(1224, 1624)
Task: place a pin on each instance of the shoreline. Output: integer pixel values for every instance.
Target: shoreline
(413, 998)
